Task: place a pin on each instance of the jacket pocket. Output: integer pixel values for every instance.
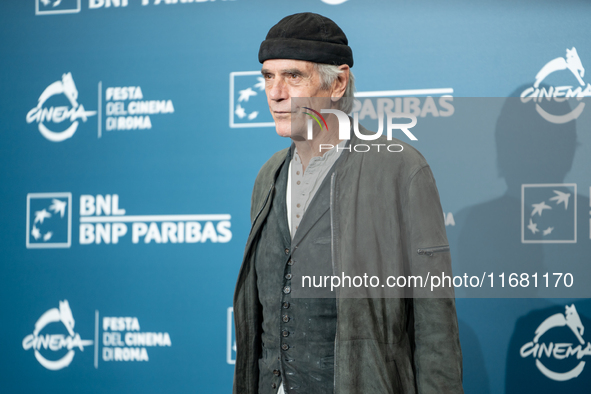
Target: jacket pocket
(431, 251)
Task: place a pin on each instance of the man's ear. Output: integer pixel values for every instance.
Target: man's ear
(340, 83)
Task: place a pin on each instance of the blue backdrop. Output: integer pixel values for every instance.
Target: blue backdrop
(129, 150)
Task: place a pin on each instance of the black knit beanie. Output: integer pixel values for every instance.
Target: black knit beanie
(307, 36)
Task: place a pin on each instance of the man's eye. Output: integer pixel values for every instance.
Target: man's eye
(294, 76)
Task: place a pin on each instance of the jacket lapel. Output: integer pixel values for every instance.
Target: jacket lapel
(320, 203)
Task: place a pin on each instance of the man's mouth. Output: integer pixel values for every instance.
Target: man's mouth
(282, 113)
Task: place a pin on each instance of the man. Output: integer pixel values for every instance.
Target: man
(337, 211)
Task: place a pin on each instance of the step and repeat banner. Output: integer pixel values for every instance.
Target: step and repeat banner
(133, 130)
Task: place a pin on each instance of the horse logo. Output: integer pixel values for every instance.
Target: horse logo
(572, 62)
(570, 319)
(65, 86)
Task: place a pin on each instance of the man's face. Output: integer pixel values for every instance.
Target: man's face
(284, 79)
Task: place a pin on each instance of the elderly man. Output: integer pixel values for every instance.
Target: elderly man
(334, 209)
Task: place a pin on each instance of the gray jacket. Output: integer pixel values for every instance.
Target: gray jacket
(384, 208)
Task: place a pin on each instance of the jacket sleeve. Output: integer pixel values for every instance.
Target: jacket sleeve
(437, 354)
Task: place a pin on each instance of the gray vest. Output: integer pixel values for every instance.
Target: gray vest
(298, 334)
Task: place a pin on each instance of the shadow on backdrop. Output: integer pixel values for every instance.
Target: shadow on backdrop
(474, 366)
(490, 238)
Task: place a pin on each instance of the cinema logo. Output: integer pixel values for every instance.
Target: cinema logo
(571, 62)
(46, 339)
(48, 118)
(545, 353)
(102, 220)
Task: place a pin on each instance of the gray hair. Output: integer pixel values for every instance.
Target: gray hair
(328, 73)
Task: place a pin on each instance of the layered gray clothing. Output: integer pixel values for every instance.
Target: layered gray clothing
(384, 212)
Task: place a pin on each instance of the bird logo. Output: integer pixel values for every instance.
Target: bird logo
(248, 101)
(539, 208)
(244, 95)
(49, 221)
(551, 216)
(561, 198)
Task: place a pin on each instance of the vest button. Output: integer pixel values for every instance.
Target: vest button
(276, 372)
(286, 251)
(290, 262)
(288, 276)
(286, 305)
(287, 289)
(285, 318)
(285, 346)
(273, 386)
(285, 333)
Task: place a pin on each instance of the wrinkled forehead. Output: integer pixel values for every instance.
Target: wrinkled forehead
(287, 66)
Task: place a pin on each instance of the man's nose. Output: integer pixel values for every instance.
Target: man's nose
(278, 90)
